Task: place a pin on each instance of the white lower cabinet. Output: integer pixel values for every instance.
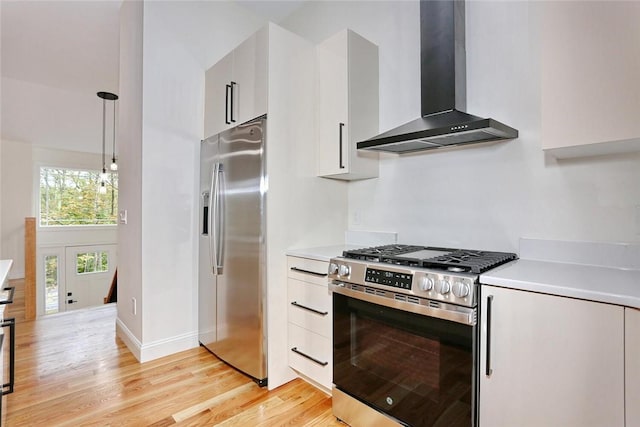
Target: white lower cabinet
(632, 366)
(550, 361)
(310, 320)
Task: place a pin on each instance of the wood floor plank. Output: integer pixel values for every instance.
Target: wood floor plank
(71, 370)
(206, 404)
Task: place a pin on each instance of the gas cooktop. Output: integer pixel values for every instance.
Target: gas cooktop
(454, 260)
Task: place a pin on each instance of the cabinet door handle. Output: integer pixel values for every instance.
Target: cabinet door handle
(313, 359)
(341, 126)
(226, 104)
(488, 370)
(11, 324)
(313, 273)
(232, 86)
(9, 300)
(313, 310)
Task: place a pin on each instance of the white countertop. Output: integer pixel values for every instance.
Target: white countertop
(5, 266)
(607, 284)
(323, 253)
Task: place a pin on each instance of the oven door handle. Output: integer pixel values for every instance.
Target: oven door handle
(454, 313)
(488, 370)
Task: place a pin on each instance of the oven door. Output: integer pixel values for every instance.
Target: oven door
(416, 368)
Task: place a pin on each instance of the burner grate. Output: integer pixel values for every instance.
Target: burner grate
(469, 260)
(455, 260)
(380, 253)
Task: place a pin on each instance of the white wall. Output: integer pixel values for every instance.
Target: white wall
(173, 105)
(52, 117)
(129, 326)
(1, 240)
(488, 196)
(16, 176)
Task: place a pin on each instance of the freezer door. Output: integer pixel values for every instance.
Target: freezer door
(241, 316)
(206, 278)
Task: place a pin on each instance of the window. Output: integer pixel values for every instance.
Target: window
(51, 289)
(92, 262)
(72, 197)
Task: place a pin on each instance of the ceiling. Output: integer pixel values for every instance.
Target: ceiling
(56, 55)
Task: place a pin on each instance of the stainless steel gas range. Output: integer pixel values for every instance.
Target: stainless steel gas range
(405, 334)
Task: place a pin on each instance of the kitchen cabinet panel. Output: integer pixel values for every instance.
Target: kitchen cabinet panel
(310, 320)
(308, 270)
(552, 361)
(310, 306)
(347, 103)
(310, 354)
(632, 366)
(250, 77)
(215, 103)
(236, 86)
(590, 62)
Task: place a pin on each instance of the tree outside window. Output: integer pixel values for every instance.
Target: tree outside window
(72, 197)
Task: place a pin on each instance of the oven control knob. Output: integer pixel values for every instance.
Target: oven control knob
(443, 287)
(344, 270)
(460, 289)
(426, 283)
(333, 268)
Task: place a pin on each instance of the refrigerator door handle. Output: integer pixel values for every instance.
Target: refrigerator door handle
(220, 209)
(213, 202)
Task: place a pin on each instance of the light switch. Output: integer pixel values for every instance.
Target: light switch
(123, 216)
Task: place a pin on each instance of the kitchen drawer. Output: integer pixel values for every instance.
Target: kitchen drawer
(308, 270)
(310, 306)
(312, 346)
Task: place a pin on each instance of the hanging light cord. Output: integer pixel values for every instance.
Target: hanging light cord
(113, 159)
(104, 117)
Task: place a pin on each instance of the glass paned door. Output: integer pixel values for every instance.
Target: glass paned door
(89, 272)
(52, 283)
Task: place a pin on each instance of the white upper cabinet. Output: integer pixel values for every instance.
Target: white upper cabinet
(550, 361)
(590, 63)
(347, 106)
(632, 366)
(236, 86)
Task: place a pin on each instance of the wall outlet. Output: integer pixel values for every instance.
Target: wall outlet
(134, 307)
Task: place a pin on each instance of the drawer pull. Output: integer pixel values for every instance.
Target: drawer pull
(313, 273)
(313, 359)
(322, 313)
(10, 291)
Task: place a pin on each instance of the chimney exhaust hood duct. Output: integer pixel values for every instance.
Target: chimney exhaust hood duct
(443, 84)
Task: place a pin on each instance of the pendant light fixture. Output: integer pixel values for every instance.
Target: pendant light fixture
(107, 96)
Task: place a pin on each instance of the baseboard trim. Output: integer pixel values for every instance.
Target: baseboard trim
(155, 350)
(167, 346)
(130, 340)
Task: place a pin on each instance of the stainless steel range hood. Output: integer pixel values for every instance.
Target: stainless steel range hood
(443, 86)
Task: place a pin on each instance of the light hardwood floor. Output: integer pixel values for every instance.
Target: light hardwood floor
(71, 370)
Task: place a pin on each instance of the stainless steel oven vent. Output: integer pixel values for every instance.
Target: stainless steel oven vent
(434, 304)
(414, 300)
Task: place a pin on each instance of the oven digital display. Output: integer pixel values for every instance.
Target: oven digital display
(389, 278)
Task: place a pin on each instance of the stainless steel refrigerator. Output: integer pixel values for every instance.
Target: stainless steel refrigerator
(232, 277)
